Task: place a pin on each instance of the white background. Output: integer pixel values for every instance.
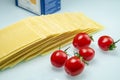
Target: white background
(105, 65)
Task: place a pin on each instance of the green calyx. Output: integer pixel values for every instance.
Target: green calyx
(81, 58)
(113, 46)
(76, 54)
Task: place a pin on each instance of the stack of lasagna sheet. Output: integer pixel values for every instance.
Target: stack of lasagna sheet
(38, 35)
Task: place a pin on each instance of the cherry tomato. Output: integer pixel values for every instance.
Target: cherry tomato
(87, 53)
(81, 40)
(106, 43)
(74, 66)
(58, 58)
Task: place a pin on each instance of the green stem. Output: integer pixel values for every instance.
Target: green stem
(91, 37)
(86, 62)
(113, 46)
(117, 41)
(81, 58)
(66, 49)
(59, 47)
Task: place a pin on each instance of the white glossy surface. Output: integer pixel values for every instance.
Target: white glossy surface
(105, 65)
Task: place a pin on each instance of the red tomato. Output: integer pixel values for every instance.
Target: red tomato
(74, 66)
(81, 40)
(58, 58)
(87, 53)
(106, 43)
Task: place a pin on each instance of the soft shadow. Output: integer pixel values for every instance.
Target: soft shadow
(81, 76)
(56, 69)
(111, 53)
